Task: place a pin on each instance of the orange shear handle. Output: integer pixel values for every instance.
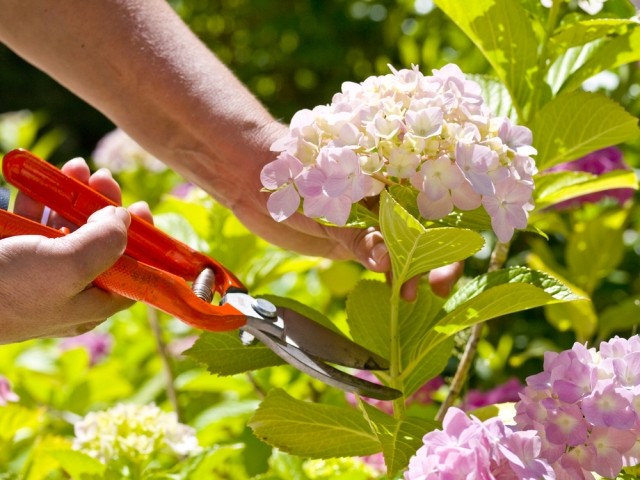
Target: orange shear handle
(76, 202)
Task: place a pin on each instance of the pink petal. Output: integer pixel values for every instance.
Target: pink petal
(283, 203)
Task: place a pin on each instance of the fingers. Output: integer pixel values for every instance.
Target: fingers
(443, 279)
(92, 248)
(141, 209)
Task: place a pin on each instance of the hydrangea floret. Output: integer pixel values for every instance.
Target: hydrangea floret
(133, 433)
(585, 405)
(469, 448)
(434, 133)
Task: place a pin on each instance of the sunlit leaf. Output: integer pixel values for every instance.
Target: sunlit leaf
(492, 295)
(584, 31)
(577, 123)
(399, 438)
(14, 417)
(79, 464)
(579, 315)
(502, 30)
(595, 248)
(495, 95)
(621, 50)
(224, 354)
(569, 62)
(368, 310)
(619, 317)
(423, 366)
(312, 429)
(557, 187)
(415, 249)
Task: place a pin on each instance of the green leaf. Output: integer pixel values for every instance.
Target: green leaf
(579, 33)
(496, 96)
(369, 313)
(620, 317)
(595, 248)
(503, 32)
(492, 295)
(576, 123)
(224, 354)
(553, 188)
(423, 366)
(78, 464)
(399, 438)
(619, 51)
(579, 315)
(415, 249)
(14, 417)
(568, 63)
(311, 429)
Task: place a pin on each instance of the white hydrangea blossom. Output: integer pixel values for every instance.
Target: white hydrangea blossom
(432, 132)
(590, 6)
(133, 431)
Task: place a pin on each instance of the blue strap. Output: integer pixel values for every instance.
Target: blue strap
(4, 198)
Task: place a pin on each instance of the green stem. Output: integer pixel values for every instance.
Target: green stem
(165, 356)
(395, 359)
(543, 61)
(498, 259)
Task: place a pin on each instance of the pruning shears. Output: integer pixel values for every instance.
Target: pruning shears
(167, 274)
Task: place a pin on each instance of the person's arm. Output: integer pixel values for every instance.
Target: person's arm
(140, 65)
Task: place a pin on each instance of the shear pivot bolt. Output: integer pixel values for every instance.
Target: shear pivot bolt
(265, 308)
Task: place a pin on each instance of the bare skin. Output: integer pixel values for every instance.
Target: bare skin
(141, 66)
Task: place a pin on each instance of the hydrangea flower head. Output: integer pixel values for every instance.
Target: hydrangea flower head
(432, 132)
(585, 406)
(469, 448)
(133, 433)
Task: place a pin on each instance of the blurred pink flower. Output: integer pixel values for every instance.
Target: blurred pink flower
(6, 394)
(97, 344)
(507, 392)
(598, 162)
(118, 152)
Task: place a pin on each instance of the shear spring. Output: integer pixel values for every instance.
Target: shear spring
(202, 285)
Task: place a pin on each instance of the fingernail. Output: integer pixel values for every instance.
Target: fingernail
(104, 172)
(379, 253)
(124, 215)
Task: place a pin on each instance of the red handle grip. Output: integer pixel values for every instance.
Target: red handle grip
(76, 202)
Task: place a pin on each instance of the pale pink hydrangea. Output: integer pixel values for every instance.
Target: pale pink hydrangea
(467, 448)
(434, 132)
(585, 405)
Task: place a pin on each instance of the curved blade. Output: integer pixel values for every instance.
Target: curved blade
(317, 369)
(320, 342)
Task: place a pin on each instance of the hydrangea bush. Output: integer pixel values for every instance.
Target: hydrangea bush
(441, 160)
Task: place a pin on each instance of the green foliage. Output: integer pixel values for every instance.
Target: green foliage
(561, 133)
(254, 417)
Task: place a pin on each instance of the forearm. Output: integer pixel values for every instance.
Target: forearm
(161, 84)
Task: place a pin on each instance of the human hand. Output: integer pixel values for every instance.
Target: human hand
(45, 284)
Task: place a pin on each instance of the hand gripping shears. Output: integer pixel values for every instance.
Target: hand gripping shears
(165, 273)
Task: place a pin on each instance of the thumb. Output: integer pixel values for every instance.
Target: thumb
(95, 246)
